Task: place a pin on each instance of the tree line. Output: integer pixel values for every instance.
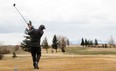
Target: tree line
(87, 43)
(57, 42)
(94, 43)
(61, 42)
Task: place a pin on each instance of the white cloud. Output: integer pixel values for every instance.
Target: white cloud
(72, 18)
(11, 38)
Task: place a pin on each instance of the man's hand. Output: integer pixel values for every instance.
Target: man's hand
(30, 26)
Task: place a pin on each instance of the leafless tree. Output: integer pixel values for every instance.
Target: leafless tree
(111, 42)
(62, 41)
(16, 48)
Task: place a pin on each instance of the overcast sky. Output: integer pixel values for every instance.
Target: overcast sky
(74, 19)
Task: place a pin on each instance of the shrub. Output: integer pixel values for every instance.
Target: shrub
(1, 55)
(5, 51)
(14, 55)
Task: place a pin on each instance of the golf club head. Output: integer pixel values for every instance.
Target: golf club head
(14, 5)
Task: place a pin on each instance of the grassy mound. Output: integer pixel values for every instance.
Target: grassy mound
(90, 51)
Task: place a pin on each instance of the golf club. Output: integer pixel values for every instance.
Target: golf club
(19, 12)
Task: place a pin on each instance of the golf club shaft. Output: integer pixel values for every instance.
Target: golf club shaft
(20, 14)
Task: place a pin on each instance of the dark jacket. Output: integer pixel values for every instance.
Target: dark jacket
(35, 35)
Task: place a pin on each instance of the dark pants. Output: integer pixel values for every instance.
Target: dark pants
(36, 54)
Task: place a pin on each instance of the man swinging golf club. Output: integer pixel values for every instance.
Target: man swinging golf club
(35, 38)
(35, 35)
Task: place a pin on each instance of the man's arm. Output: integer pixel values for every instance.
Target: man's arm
(30, 31)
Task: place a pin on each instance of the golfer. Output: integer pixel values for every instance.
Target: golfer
(35, 38)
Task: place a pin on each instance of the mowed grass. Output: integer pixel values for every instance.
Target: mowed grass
(66, 63)
(90, 51)
(74, 59)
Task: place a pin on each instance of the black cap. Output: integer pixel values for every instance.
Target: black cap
(42, 27)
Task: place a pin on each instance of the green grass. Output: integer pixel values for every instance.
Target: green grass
(88, 51)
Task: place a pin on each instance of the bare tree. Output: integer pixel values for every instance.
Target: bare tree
(62, 42)
(111, 42)
(16, 48)
(1, 54)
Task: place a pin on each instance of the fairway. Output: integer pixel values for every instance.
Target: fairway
(60, 62)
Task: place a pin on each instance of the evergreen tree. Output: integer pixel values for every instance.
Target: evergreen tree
(82, 42)
(55, 43)
(45, 44)
(25, 44)
(68, 42)
(86, 42)
(96, 42)
(91, 42)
